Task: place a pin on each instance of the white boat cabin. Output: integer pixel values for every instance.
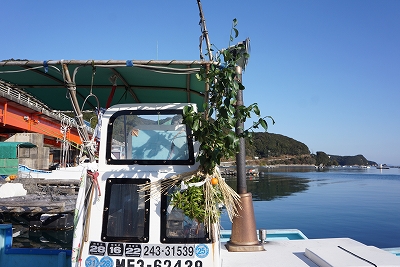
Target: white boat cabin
(117, 224)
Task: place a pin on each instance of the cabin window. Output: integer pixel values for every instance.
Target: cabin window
(176, 227)
(149, 137)
(126, 211)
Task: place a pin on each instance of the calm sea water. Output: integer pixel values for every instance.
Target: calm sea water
(363, 204)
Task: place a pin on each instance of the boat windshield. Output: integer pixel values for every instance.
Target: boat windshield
(149, 137)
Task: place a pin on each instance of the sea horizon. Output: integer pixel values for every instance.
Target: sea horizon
(359, 203)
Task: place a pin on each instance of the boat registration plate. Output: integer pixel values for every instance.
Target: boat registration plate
(170, 251)
(93, 261)
(148, 250)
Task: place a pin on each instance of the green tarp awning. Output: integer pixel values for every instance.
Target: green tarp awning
(136, 81)
(8, 166)
(9, 150)
(9, 156)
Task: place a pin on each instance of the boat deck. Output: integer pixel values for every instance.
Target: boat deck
(343, 252)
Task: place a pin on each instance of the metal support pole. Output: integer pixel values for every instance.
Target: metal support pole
(78, 113)
(244, 232)
(241, 156)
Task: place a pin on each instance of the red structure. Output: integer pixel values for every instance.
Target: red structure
(20, 113)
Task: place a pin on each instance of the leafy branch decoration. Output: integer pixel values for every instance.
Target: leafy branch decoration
(214, 131)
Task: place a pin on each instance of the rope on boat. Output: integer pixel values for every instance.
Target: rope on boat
(85, 201)
(355, 255)
(31, 68)
(65, 145)
(230, 199)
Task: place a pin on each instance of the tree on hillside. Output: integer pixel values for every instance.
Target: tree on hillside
(269, 144)
(322, 159)
(350, 160)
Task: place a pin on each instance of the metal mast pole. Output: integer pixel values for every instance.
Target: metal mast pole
(81, 125)
(204, 31)
(210, 56)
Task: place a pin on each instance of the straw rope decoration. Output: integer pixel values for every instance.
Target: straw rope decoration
(213, 195)
(164, 185)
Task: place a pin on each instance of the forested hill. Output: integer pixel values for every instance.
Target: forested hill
(325, 159)
(274, 145)
(279, 149)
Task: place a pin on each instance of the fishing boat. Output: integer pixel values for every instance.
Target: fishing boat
(145, 141)
(382, 166)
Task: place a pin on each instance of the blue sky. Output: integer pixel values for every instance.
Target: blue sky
(328, 72)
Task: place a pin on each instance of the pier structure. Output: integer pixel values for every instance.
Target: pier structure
(20, 112)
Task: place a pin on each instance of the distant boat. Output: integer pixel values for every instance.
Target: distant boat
(319, 167)
(382, 166)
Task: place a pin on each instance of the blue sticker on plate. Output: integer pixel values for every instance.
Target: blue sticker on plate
(106, 262)
(201, 251)
(92, 261)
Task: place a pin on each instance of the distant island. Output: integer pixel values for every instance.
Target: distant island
(277, 149)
